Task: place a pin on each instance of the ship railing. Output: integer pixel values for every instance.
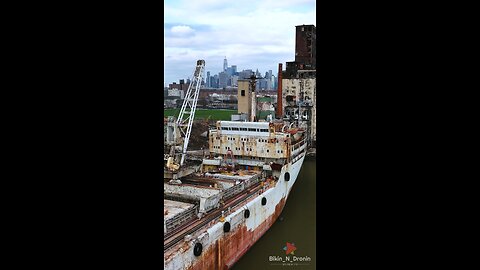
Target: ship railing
(181, 218)
(249, 162)
(252, 181)
(232, 191)
(298, 149)
(298, 154)
(298, 144)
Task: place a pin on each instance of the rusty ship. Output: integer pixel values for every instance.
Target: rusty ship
(218, 205)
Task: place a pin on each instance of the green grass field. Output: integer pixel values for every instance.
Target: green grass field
(204, 113)
(214, 114)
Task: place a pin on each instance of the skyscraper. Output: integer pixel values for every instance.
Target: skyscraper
(225, 64)
(229, 71)
(214, 81)
(222, 79)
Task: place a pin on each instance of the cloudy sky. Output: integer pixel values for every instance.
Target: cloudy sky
(251, 34)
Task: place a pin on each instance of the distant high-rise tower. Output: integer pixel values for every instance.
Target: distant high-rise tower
(222, 79)
(225, 64)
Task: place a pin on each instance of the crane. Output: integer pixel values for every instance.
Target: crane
(187, 114)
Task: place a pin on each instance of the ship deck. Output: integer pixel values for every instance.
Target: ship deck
(172, 208)
(222, 191)
(197, 226)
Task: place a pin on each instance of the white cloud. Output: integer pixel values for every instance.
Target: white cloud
(181, 30)
(252, 34)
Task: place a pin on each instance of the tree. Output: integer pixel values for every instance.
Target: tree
(179, 103)
(202, 102)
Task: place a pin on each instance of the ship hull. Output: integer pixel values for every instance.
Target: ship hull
(221, 250)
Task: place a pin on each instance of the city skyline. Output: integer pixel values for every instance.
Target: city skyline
(250, 34)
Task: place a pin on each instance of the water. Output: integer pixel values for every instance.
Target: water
(295, 225)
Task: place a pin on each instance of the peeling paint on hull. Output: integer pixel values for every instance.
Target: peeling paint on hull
(233, 246)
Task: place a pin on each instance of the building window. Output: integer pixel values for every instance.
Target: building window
(243, 93)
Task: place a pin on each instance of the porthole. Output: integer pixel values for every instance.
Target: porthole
(226, 226)
(264, 201)
(197, 250)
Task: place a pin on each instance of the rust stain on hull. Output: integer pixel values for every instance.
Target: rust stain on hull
(233, 245)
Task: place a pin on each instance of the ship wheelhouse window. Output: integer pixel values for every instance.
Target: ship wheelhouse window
(224, 128)
(251, 129)
(235, 128)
